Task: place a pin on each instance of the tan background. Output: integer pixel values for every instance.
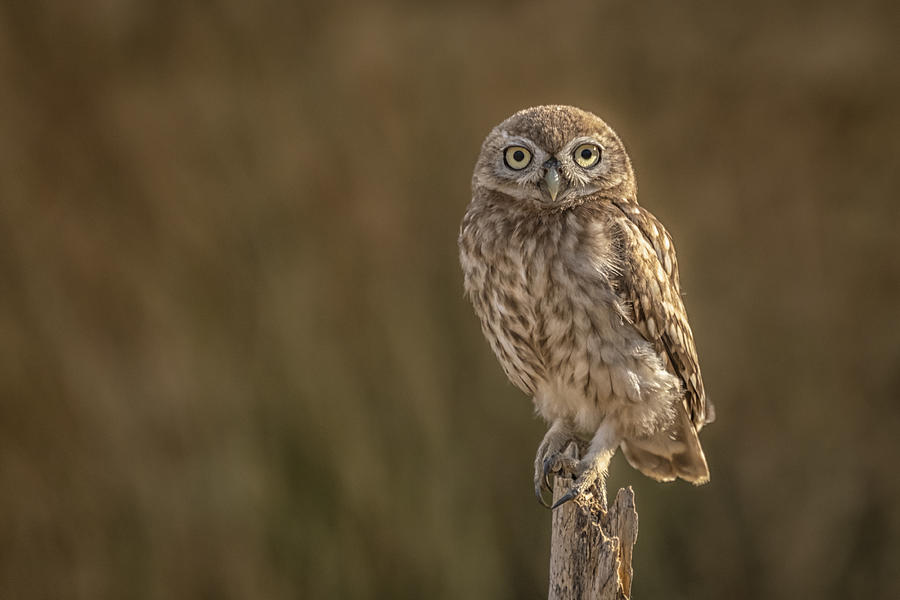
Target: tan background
(235, 360)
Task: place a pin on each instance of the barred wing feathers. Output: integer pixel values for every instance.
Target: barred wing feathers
(650, 284)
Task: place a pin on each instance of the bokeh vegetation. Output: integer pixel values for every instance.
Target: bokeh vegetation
(235, 360)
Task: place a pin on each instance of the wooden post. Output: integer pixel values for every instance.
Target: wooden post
(590, 552)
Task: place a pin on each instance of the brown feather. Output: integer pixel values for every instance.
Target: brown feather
(655, 295)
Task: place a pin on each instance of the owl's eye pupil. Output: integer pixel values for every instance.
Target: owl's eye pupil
(518, 156)
(586, 154)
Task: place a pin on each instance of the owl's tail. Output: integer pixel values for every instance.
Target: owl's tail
(674, 452)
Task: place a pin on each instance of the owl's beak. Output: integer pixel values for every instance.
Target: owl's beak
(551, 178)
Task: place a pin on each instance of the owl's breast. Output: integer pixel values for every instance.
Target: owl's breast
(497, 283)
(543, 308)
(558, 329)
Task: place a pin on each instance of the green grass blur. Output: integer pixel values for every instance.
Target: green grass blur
(235, 359)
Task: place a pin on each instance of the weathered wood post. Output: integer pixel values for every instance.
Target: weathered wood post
(590, 552)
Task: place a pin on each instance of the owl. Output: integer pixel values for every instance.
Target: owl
(577, 289)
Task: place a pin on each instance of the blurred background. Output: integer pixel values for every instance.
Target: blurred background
(235, 359)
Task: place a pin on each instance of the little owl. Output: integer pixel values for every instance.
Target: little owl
(577, 290)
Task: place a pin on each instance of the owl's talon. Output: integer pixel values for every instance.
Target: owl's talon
(549, 458)
(582, 485)
(539, 492)
(556, 464)
(570, 495)
(553, 464)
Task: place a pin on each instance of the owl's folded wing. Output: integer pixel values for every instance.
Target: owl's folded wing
(649, 284)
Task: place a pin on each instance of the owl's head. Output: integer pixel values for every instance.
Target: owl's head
(554, 157)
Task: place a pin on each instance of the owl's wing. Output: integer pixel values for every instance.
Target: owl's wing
(649, 283)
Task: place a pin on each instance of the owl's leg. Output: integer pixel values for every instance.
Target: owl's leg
(550, 459)
(593, 467)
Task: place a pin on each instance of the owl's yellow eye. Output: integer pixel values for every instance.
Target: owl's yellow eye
(517, 157)
(587, 155)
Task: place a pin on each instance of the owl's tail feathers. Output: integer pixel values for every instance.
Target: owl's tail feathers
(672, 453)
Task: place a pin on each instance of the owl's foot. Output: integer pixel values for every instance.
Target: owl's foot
(551, 460)
(592, 469)
(582, 486)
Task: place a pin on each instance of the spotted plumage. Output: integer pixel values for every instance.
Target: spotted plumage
(578, 293)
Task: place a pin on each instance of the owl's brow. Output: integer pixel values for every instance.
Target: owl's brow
(593, 138)
(507, 139)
